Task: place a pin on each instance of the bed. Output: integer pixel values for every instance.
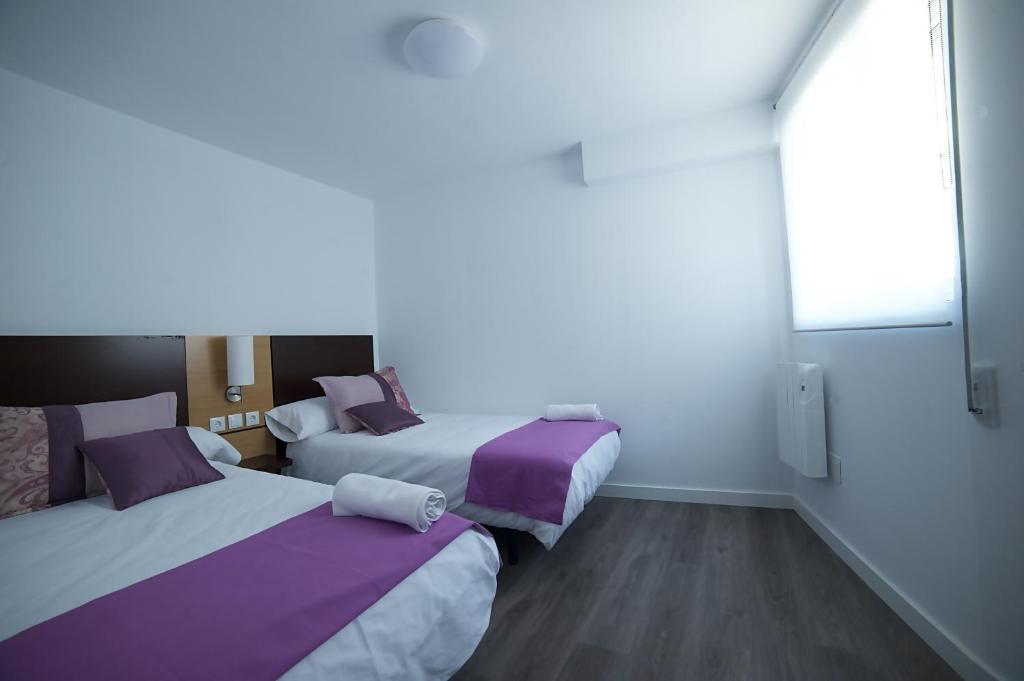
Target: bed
(424, 628)
(438, 454)
(64, 564)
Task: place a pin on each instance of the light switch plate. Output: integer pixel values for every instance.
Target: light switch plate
(217, 424)
(234, 421)
(835, 468)
(983, 385)
(252, 418)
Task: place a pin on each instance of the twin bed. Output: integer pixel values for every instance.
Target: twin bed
(65, 557)
(250, 576)
(439, 453)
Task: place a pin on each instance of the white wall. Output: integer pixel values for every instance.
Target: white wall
(992, 96)
(659, 298)
(720, 136)
(930, 496)
(112, 225)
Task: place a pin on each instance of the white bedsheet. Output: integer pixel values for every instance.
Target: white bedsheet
(438, 454)
(57, 559)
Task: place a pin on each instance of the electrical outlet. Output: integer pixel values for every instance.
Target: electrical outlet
(252, 418)
(234, 421)
(217, 424)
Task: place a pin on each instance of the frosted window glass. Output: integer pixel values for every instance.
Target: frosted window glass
(869, 211)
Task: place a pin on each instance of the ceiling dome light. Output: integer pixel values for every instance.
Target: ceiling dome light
(443, 49)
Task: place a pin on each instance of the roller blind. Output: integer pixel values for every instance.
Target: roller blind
(864, 144)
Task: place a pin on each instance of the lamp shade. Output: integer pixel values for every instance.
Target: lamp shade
(240, 363)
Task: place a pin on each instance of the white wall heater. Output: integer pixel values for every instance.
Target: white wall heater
(800, 406)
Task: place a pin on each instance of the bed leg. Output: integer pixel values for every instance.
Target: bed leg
(511, 546)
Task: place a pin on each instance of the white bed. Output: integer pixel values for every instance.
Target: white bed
(57, 559)
(438, 454)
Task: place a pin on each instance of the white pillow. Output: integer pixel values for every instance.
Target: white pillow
(302, 419)
(213, 446)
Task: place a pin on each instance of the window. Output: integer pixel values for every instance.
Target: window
(864, 141)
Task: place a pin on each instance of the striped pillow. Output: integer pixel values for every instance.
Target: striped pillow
(345, 392)
(39, 464)
(391, 376)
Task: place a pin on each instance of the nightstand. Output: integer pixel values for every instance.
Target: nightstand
(268, 463)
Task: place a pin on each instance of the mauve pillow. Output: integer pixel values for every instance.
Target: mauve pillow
(381, 418)
(345, 392)
(121, 417)
(144, 465)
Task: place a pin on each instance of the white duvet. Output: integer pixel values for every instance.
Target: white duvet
(438, 454)
(57, 559)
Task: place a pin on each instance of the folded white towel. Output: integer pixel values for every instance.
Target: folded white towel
(572, 412)
(394, 500)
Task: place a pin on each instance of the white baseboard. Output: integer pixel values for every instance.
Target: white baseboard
(942, 642)
(726, 497)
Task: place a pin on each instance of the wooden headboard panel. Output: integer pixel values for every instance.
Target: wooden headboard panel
(297, 360)
(42, 370)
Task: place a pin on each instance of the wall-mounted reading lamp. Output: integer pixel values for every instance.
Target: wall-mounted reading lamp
(240, 366)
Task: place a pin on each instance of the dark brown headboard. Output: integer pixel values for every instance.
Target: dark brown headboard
(42, 370)
(297, 360)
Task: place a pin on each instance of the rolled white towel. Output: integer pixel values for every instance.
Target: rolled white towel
(394, 500)
(572, 412)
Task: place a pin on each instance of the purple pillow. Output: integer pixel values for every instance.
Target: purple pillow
(144, 465)
(381, 418)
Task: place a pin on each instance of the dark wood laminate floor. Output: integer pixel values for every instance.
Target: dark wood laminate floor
(657, 590)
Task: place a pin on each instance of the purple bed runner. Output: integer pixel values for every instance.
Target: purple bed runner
(528, 470)
(248, 611)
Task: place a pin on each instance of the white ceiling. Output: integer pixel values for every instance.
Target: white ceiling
(319, 87)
